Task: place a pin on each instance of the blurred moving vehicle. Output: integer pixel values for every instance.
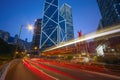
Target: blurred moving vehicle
(80, 60)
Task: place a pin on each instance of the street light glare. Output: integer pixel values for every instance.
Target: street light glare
(30, 27)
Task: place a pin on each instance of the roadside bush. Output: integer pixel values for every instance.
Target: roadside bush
(109, 59)
(6, 50)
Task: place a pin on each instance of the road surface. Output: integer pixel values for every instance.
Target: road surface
(17, 71)
(38, 70)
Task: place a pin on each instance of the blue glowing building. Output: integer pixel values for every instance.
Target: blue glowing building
(49, 29)
(66, 13)
(56, 25)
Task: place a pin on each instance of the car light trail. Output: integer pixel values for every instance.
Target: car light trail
(78, 67)
(54, 70)
(38, 72)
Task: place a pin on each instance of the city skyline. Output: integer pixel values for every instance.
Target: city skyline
(59, 39)
(86, 15)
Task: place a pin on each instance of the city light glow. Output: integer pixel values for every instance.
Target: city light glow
(30, 27)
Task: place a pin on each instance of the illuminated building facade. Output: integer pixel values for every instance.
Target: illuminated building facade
(110, 12)
(36, 35)
(57, 26)
(62, 29)
(49, 29)
(66, 13)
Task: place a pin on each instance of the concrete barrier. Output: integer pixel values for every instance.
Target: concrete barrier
(4, 71)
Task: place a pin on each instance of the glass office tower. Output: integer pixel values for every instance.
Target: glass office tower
(49, 30)
(66, 13)
(110, 11)
(62, 29)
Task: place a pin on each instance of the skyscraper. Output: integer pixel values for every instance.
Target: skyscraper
(66, 13)
(36, 35)
(62, 29)
(57, 26)
(49, 29)
(110, 11)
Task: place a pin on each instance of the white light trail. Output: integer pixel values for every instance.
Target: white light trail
(93, 35)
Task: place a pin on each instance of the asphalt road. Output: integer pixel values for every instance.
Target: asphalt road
(18, 71)
(82, 74)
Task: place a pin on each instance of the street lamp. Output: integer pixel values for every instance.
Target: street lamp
(29, 27)
(35, 50)
(35, 47)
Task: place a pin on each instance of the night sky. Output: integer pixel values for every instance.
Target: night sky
(14, 13)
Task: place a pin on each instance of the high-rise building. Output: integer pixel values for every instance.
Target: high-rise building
(57, 26)
(4, 35)
(49, 29)
(36, 35)
(66, 13)
(62, 29)
(100, 25)
(110, 12)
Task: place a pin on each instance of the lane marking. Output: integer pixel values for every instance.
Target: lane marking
(42, 71)
(97, 73)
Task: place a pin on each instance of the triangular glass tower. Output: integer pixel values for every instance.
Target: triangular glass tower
(49, 30)
(57, 25)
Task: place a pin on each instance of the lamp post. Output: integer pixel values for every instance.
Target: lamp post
(30, 28)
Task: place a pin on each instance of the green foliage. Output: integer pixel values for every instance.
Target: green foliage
(69, 57)
(110, 59)
(6, 49)
(0, 62)
(3, 46)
